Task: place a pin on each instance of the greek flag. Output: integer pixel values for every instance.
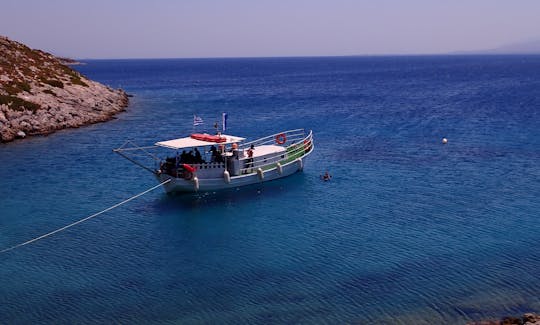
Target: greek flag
(197, 120)
(224, 118)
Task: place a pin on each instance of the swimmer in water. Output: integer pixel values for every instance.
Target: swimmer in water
(326, 176)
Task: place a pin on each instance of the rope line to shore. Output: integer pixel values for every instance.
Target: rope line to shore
(84, 219)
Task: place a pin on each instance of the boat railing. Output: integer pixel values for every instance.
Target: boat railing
(289, 137)
(297, 145)
(208, 165)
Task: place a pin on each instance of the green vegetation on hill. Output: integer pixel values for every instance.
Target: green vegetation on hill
(18, 104)
(24, 70)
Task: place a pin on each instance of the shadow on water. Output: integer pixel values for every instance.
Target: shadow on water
(230, 197)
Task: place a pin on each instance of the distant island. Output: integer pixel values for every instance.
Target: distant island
(531, 47)
(525, 48)
(40, 93)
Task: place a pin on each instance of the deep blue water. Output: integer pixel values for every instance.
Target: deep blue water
(408, 230)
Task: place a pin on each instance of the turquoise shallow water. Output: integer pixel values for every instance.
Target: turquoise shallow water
(408, 231)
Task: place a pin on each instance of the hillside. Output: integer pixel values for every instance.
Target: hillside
(39, 94)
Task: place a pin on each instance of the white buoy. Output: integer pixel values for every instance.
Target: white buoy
(196, 183)
(279, 168)
(444, 140)
(260, 173)
(300, 164)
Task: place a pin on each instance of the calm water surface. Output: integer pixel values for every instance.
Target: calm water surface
(408, 231)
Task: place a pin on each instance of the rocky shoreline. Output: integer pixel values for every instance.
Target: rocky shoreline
(526, 319)
(39, 94)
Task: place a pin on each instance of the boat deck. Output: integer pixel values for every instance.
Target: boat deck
(268, 149)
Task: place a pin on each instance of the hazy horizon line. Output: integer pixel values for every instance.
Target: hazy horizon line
(457, 53)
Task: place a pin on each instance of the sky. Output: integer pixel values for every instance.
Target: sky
(266, 28)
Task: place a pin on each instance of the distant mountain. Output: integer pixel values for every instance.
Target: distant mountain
(39, 94)
(529, 47)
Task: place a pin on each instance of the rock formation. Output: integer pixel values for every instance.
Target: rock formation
(526, 319)
(39, 94)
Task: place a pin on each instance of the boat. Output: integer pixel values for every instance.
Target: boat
(205, 162)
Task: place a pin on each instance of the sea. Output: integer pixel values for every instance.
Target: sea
(408, 230)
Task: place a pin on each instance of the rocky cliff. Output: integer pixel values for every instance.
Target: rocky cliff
(39, 94)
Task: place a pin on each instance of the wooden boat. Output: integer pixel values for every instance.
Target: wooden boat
(204, 162)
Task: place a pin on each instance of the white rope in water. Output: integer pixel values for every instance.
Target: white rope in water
(83, 220)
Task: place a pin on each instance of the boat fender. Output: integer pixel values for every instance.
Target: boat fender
(279, 168)
(300, 164)
(260, 173)
(227, 177)
(196, 183)
(281, 138)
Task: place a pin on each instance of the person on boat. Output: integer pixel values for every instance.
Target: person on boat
(249, 163)
(214, 154)
(326, 177)
(183, 157)
(170, 164)
(234, 150)
(198, 158)
(190, 159)
(219, 153)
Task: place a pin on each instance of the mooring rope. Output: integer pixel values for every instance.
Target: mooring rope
(84, 219)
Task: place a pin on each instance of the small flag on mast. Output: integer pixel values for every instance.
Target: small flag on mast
(197, 120)
(224, 117)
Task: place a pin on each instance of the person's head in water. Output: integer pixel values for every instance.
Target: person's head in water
(326, 176)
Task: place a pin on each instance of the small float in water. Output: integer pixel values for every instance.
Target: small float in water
(204, 162)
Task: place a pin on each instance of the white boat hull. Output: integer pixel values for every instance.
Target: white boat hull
(213, 184)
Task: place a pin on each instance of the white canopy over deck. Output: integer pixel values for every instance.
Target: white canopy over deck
(189, 142)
